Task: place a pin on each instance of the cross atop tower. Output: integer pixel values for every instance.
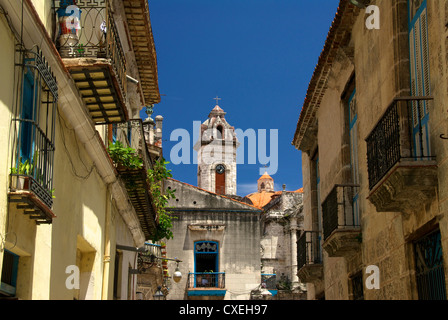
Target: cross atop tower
(217, 100)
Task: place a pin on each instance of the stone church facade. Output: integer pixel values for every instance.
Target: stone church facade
(218, 241)
(371, 132)
(231, 247)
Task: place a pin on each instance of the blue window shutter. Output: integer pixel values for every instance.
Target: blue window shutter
(9, 273)
(28, 111)
(15, 268)
(353, 133)
(420, 79)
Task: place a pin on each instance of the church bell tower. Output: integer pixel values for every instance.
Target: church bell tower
(216, 151)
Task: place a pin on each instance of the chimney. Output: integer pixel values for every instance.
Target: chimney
(148, 130)
(148, 126)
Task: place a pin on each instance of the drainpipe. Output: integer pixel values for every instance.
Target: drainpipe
(106, 258)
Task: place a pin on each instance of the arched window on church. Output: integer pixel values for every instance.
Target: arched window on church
(220, 132)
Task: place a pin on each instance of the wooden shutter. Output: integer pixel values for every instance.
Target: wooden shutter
(353, 116)
(420, 80)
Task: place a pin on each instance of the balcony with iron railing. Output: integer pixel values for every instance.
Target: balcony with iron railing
(341, 221)
(152, 254)
(31, 181)
(206, 284)
(309, 257)
(269, 280)
(402, 170)
(130, 134)
(90, 47)
(33, 129)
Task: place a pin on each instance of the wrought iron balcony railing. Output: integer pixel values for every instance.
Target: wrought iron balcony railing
(392, 138)
(340, 209)
(309, 250)
(152, 254)
(34, 174)
(153, 249)
(90, 45)
(270, 280)
(131, 134)
(207, 280)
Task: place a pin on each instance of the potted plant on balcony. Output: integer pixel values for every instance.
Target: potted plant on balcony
(124, 157)
(19, 179)
(163, 249)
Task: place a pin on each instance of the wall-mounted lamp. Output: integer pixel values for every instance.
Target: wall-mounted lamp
(177, 275)
(159, 294)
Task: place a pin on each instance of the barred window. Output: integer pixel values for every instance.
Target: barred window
(34, 119)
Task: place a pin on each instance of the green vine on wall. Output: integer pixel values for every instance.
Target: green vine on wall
(127, 157)
(156, 176)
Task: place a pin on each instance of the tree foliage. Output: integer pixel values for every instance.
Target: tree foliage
(156, 176)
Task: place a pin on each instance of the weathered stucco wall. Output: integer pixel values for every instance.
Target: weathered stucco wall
(87, 224)
(6, 101)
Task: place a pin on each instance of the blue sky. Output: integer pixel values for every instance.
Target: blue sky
(258, 56)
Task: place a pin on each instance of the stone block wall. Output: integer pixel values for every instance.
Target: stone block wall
(236, 228)
(380, 64)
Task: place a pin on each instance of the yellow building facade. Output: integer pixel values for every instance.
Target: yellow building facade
(371, 132)
(69, 87)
